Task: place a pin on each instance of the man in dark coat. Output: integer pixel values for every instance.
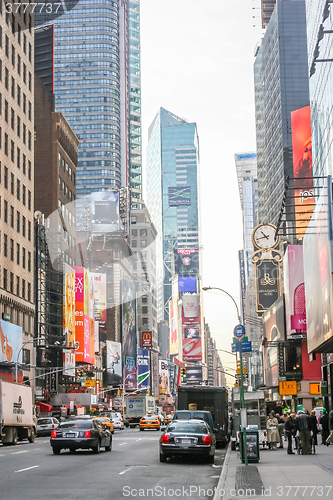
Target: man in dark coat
(330, 420)
(313, 426)
(289, 428)
(324, 426)
(303, 426)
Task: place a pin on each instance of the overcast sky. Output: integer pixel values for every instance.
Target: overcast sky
(197, 62)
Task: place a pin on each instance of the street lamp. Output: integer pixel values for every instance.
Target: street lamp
(205, 288)
(18, 354)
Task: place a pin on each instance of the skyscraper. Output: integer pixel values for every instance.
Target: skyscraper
(172, 193)
(97, 87)
(267, 7)
(281, 86)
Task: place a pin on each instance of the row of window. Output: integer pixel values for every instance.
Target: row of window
(66, 190)
(21, 129)
(143, 232)
(21, 69)
(21, 221)
(67, 215)
(12, 145)
(22, 193)
(143, 243)
(21, 289)
(22, 256)
(63, 165)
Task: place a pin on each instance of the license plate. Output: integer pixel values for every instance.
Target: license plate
(70, 435)
(186, 441)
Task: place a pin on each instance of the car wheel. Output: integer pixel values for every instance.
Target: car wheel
(56, 450)
(158, 428)
(97, 449)
(112, 432)
(31, 438)
(141, 429)
(162, 457)
(210, 459)
(109, 448)
(72, 450)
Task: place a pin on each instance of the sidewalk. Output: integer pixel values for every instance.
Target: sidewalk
(278, 475)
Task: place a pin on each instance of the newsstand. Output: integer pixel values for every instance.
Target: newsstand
(252, 442)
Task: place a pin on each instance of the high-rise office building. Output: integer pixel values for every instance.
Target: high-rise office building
(267, 7)
(97, 87)
(17, 308)
(172, 194)
(281, 86)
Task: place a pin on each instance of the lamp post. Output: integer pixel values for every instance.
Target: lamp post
(242, 399)
(18, 354)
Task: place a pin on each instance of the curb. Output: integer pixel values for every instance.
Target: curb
(221, 482)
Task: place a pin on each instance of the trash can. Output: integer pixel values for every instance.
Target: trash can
(252, 444)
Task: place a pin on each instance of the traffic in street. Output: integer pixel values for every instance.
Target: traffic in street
(32, 471)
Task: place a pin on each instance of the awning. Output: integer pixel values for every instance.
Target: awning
(44, 407)
(78, 406)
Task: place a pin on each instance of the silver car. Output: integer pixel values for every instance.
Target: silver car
(46, 425)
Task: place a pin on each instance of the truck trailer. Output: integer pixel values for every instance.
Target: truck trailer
(137, 406)
(17, 413)
(207, 398)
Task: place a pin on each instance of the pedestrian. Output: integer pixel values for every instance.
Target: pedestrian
(328, 440)
(303, 426)
(289, 427)
(272, 431)
(314, 426)
(280, 428)
(324, 425)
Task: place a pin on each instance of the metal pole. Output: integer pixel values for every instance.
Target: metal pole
(242, 399)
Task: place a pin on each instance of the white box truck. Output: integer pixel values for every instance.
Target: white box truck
(137, 407)
(17, 413)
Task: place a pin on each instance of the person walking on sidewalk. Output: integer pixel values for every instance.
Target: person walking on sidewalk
(272, 431)
(289, 428)
(330, 420)
(314, 426)
(324, 425)
(303, 426)
(280, 428)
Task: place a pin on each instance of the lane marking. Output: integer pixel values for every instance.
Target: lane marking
(28, 468)
(121, 444)
(18, 452)
(138, 439)
(124, 471)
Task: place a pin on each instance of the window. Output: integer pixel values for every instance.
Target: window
(12, 148)
(18, 64)
(6, 78)
(23, 289)
(24, 103)
(23, 257)
(18, 125)
(134, 243)
(7, 46)
(143, 232)
(29, 261)
(134, 232)
(13, 88)
(133, 220)
(5, 245)
(18, 158)
(24, 133)
(144, 299)
(29, 230)
(18, 95)
(23, 163)
(11, 249)
(6, 110)
(6, 144)
(13, 56)
(5, 211)
(5, 279)
(11, 283)
(24, 43)
(29, 139)
(17, 285)
(30, 52)
(24, 73)
(23, 194)
(12, 216)
(143, 243)
(29, 111)
(0, 103)
(5, 177)
(29, 170)
(12, 119)
(29, 292)
(12, 183)
(17, 253)
(18, 189)
(29, 200)
(144, 310)
(18, 221)
(19, 34)
(23, 225)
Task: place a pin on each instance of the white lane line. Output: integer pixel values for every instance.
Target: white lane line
(138, 439)
(124, 471)
(28, 468)
(18, 452)
(121, 444)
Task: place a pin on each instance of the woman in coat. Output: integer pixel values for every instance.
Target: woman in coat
(313, 426)
(273, 436)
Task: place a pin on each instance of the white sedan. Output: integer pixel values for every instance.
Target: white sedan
(117, 422)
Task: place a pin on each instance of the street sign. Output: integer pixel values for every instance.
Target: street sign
(89, 383)
(245, 375)
(246, 347)
(244, 339)
(6, 317)
(239, 332)
(315, 388)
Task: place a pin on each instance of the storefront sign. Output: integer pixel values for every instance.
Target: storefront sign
(288, 388)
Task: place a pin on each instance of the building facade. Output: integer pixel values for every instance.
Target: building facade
(172, 194)
(281, 86)
(267, 7)
(17, 185)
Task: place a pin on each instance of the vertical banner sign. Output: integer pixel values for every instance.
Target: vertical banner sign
(164, 388)
(268, 284)
(79, 314)
(191, 327)
(100, 303)
(303, 171)
(129, 334)
(155, 373)
(68, 363)
(242, 283)
(173, 321)
(144, 369)
(113, 362)
(69, 306)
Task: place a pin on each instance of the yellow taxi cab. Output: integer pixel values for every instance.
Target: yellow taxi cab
(106, 422)
(168, 419)
(150, 422)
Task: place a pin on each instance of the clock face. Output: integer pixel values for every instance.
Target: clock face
(264, 236)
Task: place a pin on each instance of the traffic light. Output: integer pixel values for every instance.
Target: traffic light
(118, 392)
(183, 372)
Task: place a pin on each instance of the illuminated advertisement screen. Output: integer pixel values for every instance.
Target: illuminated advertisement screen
(186, 261)
(303, 171)
(187, 284)
(11, 342)
(179, 196)
(69, 306)
(114, 362)
(105, 212)
(100, 302)
(129, 342)
(144, 369)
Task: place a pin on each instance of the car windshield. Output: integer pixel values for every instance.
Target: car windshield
(43, 421)
(186, 415)
(195, 428)
(101, 419)
(77, 424)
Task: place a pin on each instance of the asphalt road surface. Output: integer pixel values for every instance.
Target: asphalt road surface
(132, 469)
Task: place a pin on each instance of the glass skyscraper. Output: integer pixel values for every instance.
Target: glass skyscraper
(172, 193)
(97, 87)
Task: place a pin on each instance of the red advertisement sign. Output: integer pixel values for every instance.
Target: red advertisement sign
(192, 350)
(147, 339)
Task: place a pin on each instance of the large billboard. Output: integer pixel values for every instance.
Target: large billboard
(69, 306)
(113, 362)
(191, 314)
(155, 373)
(164, 380)
(84, 316)
(100, 303)
(303, 172)
(68, 363)
(105, 212)
(187, 284)
(186, 261)
(11, 342)
(274, 330)
(173, 323)
(318, 275)
(144, 369)
(294, 289)
(179, 196)
(191, 328)
(129, 340)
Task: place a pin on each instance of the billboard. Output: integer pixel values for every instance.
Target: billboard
(11, 342)
(303, 171)
(179, 196)
(146, 339)
(68, 363)
(69, 306)
(193, 374)
(191, 314)
(155, 373)
(144, 369)
(318, 275)
(105, 212)
(99, 283)
(128, 310)
(187, 284)
(192, 349)
(84, 316)
(186, 261)
(274, 330)
(268, 283)
(113, 362)
(294, 288)
(192, 332)
(164, 387)
(173, 322)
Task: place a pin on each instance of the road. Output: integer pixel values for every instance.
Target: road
(32, 472)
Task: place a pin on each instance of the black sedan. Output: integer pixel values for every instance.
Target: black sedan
(187, 437)
(81, 434)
